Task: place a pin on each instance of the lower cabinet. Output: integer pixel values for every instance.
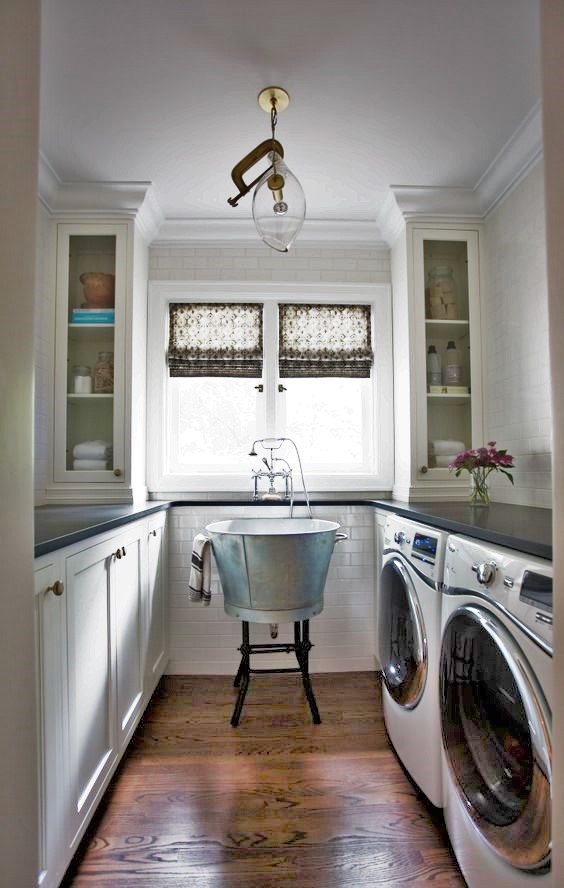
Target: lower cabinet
(101, 637)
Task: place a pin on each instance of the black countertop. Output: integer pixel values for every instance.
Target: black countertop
(524, 528)
(59, 526)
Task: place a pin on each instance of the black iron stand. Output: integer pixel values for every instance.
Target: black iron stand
(301, 648)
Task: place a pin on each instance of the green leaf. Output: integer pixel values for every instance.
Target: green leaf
(507, 475)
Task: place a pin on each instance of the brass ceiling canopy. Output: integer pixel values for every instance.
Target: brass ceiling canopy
(279, 201)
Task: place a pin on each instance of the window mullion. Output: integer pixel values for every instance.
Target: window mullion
(270, 365)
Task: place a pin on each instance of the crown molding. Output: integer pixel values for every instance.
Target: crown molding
(134, 200)
(430, 204)
(174, 231)
(511, 165)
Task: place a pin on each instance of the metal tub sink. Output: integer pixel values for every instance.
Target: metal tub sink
(273, 570)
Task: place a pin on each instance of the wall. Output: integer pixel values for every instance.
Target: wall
(552, 40)
(43, 327)
(19, 113)
(203, 640)
(249, 261)
(517, 382)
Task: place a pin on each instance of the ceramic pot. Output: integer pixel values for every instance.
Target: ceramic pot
(98, 289)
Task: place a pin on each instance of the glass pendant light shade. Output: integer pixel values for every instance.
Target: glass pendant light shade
(279, 206)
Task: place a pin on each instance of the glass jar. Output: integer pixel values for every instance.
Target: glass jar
(442, 294)
(82, 380)
(104, 373)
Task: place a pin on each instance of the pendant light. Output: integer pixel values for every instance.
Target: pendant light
(279, 205)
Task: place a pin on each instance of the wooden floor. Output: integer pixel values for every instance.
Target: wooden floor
(273, 803)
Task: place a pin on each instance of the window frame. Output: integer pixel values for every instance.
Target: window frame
(162, 293)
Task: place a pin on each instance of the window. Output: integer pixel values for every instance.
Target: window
(299, 365)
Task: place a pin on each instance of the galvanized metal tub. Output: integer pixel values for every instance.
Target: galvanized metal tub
(273, 570)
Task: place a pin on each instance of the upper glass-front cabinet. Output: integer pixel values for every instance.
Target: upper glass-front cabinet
(449, 402)
(89, 436)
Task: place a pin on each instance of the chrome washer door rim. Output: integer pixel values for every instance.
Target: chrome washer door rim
(416, 687)
(526, 842)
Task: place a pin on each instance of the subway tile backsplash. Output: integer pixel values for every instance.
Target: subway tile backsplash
(204, 640)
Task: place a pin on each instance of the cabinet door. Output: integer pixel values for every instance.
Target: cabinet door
(157, 615)
(126, 574)
(50, 623)
(92, 735)
(448, 348)
(91, 282)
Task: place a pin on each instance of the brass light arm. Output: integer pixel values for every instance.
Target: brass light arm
(249, 161)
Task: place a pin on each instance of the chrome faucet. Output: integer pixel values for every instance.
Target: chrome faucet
(273, 471)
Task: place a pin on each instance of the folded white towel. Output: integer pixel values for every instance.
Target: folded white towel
(200, 570)
(446, 447)
(442, 460)
(92, 450)
(89, 464)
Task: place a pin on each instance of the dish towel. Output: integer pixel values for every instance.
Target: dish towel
(199, 586)
(446, 448)
(92, 450)
(89, 464)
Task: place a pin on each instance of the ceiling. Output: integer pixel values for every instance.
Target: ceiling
(383, 92)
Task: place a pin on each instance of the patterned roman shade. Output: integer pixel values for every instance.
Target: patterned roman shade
(215, 339)
(325, 340)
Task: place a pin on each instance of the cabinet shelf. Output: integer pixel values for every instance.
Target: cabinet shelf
(91, 332)
(454, 400)
(95, 396)
(446, 329)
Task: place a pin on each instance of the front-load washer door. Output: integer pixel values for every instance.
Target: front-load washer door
(402, 641)
(497, 736)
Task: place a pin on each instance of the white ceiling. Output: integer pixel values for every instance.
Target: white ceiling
(405, 92)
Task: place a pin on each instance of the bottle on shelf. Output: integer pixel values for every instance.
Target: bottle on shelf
(452, 374)
(434, 376)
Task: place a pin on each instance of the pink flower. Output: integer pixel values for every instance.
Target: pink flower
(482, 461)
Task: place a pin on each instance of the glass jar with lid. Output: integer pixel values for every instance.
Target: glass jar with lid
(82, 379)
(104, 373)
(442, 293)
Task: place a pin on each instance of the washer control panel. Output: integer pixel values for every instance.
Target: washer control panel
(423, 546)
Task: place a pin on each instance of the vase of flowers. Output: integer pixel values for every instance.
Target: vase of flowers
(480, 463)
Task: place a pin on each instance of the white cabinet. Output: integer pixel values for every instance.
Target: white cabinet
(128, 589)
(157, 616)
(101, 640)
(437, 311)
(93, 740)
(51, 641)
(99, 273)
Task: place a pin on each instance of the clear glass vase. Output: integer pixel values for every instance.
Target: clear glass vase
(480, 495)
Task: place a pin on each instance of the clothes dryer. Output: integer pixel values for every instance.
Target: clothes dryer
(495, 699)
(409, 620)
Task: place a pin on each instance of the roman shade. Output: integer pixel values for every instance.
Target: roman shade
(215, 339)
(324, 340)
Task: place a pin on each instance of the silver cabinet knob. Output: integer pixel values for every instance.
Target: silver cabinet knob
(118, 473)
(57, 588)
(486, 572)
(424, 470)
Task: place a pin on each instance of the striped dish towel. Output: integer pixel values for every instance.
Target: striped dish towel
(199, 587)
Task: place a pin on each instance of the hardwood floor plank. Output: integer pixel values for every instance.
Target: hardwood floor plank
(276, 803)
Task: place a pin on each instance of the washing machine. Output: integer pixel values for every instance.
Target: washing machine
(409, 625)
(495, 700)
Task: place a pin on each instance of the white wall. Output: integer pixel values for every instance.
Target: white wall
(204, 640)
(552, 40)
(19, 115)
(44, 326)
(517, 382)
(248, 261)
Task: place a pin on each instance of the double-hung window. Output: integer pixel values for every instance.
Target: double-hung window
(232, 363)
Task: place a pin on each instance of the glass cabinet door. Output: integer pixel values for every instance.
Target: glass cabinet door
(89, 432)
(447, 295)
